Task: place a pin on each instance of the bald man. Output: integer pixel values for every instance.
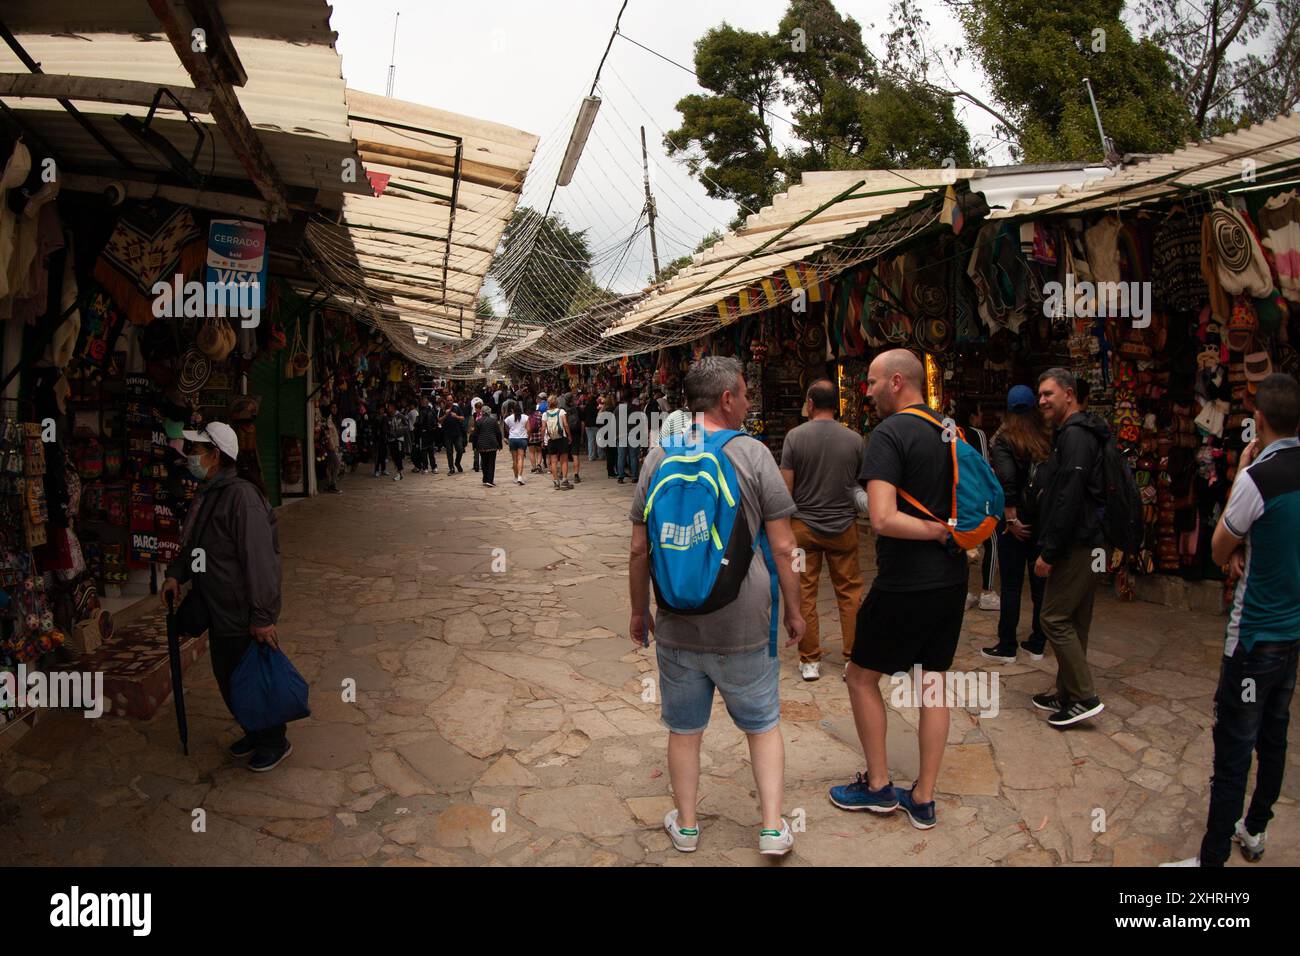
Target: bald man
(913, 613)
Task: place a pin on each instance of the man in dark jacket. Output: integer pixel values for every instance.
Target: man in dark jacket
(452, 420)
(487, 442)
(1072, 558)
(231, 553)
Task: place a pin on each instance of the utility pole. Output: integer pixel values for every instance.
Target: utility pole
(392, 58)
(649, 203)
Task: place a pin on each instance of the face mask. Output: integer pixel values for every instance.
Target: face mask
(196, 467)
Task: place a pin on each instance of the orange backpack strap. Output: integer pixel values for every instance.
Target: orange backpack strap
(916, 504)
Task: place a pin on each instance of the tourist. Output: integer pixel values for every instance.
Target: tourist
(536, 432)
(1256, 537)
(378, 428)
(476, 410)
(577, 435)
(1069, 535)
(913, 613)
(333, 463)
(727, 648)
(820, 460)
(558, 440)
(237, 595)
(591, 409)
(971, 420)
(626, 418)
(487, 442)
(1017, 450)
(517, 434)
(399, 437)
(426, 435)
(452, 421)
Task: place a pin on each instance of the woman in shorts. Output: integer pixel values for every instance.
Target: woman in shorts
(535, 434)
(517, 435)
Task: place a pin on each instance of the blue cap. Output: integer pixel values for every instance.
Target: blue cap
(1021, 398)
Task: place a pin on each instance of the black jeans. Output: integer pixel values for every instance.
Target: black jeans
(1252, 708)
(395, 451)
(1014, 557)
(488, 462)
(455, 446)
(226, 653)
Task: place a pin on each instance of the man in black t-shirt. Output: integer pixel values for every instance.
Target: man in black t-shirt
(912, 616)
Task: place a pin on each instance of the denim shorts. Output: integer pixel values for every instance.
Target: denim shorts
(518, 444)
(748, 684)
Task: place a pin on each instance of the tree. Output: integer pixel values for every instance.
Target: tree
(1234, 61)
(541, 265)
(845, 114)
(1035, 56)
(725, 137)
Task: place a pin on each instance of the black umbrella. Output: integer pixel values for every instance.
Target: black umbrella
(178, 692)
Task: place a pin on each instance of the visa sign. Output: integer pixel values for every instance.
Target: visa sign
(237, 257)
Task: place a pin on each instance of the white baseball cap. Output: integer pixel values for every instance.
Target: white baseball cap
(216, 433)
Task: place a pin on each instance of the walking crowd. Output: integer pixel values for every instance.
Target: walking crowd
(728, 538)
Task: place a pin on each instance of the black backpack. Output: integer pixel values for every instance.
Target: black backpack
(1120, 512)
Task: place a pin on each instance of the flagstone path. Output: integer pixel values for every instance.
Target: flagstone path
(501, 717)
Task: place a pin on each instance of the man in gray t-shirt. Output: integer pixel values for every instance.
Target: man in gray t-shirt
(726, 649)
(819, 462)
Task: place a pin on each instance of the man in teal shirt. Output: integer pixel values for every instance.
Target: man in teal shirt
(1259, 538)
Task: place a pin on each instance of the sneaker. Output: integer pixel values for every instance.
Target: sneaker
(336, 491)
(488, 484)
(685, 839)
(519, 481)
(776, 842)
(990, 601)
(620, 481)
(267, 758)
(566, 485)
(810, 670)
(397, 477)
(1252, 847)
(577, 479)
(1076, 711)
(1049, 702)
(858, 795)
(1035, 652)
(971, 601)
(1190, 861)
(998, 655)
(556, 483)
(922, 815)
(242, 747)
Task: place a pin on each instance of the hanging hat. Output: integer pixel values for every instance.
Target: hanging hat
(1243, 325)
(194, 373)
(1258, 366)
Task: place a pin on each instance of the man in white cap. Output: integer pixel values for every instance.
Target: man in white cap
(231, 554)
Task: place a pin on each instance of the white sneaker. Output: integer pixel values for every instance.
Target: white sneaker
(810, 670)
(990, 601)
(971, 600)
(776, 842)
(1252, 847)
(685, 840)
(1191, 861)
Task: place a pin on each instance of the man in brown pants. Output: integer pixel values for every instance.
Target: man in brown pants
(1070, 536)
(819, 462)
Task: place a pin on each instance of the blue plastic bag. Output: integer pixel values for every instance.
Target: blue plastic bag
(266, 690)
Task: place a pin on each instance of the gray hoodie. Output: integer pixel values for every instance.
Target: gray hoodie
(241, 582)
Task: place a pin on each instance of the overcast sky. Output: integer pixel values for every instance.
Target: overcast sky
(529, 64)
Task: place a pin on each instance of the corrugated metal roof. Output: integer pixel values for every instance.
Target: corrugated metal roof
(397, 251)
(1226, 161)
(706, 282)
(294, 97)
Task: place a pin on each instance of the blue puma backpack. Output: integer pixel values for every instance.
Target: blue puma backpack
(701, 544)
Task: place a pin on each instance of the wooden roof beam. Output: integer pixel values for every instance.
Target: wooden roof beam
(96, 89)
(212, 70)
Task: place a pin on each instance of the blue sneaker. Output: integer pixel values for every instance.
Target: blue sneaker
(858, 795)
(922, 815)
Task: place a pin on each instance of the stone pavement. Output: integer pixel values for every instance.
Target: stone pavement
(499, 719)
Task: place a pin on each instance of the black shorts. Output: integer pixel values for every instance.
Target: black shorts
(897, 629)
(558, 446)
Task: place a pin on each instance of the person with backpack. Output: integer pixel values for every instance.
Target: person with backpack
(971, 419)
(535, 435)
(237, 595)
(558, 438)
(1257, 539)
(1017, 451)
(720, 554)
(931, 496)
(1070, 542)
